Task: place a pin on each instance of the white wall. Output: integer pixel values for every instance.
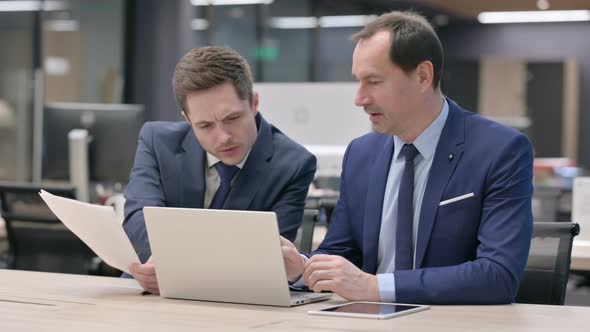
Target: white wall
(321, 116)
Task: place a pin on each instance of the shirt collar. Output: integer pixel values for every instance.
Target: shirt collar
(427, 141)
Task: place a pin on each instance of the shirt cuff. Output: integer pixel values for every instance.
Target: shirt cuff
(386, 282)
(299, 283)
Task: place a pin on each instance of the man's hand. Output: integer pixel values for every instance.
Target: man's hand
(145, 274)
(337, 274)
(292, 259)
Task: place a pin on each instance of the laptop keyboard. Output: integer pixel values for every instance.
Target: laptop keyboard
(296, 296)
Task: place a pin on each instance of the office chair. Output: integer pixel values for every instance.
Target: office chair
(328, 182)
(327, 205)
(304, 239)
(327, 202)
(545, 203)
(37, 240)
(546, 273)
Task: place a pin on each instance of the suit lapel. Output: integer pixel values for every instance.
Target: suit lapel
(245, 186)
(448, 153)
(374, 206)
(191, 159)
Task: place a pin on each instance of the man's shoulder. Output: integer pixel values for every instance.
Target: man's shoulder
(370, 139)
(368, 144)
(283, 144)
(488, 130)
(486, 137)
(166, 131)
(365, 149)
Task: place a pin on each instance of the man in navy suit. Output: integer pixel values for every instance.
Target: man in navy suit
(435, 205)
(224, 156)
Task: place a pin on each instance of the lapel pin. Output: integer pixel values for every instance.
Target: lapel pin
(451, 156)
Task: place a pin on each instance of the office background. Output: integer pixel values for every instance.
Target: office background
(117, 51)
(532, 76)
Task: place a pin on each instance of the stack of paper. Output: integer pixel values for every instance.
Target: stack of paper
(97, 226)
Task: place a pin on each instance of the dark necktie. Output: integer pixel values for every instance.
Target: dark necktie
(226, 173)
(404, 249)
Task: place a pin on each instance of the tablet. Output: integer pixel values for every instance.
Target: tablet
(376, 310)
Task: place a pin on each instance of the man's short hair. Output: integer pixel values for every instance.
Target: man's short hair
(413, 41)
(205, 67)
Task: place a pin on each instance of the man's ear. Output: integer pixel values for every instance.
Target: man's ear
(255, 102)
(425, 75)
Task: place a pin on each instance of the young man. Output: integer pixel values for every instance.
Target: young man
(435, 205)
(225, 155)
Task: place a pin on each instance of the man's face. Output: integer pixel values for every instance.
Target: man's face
(224, 124)
(386, 93)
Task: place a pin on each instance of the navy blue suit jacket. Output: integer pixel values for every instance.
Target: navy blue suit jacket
(169, 170)
(467, 252)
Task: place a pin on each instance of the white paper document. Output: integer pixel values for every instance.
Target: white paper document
(97, 226)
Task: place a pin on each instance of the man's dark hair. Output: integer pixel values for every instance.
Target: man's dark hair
(413, 41)
(205, 67)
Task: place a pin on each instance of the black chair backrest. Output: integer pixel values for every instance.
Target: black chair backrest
(328, 181)
(545, 203)
(37, 240)
(325, 204)
(305, 240)
(546, 274)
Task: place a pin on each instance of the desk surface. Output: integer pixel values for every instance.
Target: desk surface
(35, 301)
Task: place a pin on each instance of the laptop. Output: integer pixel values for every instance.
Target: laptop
(221, 255)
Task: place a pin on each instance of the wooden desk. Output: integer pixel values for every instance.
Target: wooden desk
(580, 256)
(35, 301)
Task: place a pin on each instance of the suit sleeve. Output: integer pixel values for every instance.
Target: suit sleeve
(289, 207)
(144, 189)
(503, 238)
(339, 240)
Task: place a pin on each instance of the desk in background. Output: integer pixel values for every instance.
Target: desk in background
(35, 301)
(580, 256)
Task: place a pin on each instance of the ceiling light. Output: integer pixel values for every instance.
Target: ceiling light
(305, 22)
(345, 21)
(309, 22)
(534, 16)
(30, 6)
(62, 25)
(199, 24)
(229, 2)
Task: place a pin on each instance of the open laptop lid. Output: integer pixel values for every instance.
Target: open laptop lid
(218, 255)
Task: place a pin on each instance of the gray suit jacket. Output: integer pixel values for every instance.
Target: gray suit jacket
(169, 170)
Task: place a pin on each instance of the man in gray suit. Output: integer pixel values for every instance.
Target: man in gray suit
(231, 159)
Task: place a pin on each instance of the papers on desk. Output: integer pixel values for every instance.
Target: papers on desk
(97, 226)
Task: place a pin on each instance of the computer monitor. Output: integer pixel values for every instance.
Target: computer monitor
(301, 111)
(113, 131)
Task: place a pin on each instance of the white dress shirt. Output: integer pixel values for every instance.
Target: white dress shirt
(212, 180)
(426, 144)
